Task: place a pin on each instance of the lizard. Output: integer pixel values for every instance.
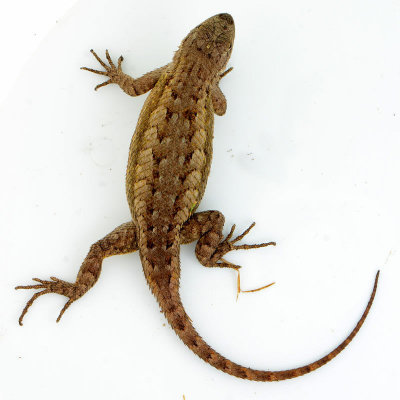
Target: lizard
(168, 167)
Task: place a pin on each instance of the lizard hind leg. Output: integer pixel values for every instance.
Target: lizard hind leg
(206, 227)
(121, 240)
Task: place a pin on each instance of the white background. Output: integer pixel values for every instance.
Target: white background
(309, 148)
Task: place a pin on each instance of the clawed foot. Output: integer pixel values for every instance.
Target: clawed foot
(111, 71)
(228, 245)
(56, 285)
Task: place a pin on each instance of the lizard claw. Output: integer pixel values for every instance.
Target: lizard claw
(228, 245)
(103, 84)
(55, 285)
(113, 72)
(222, 263)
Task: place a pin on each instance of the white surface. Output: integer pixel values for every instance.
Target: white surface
(309, 148)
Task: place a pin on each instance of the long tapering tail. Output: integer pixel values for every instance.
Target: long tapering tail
(182, 325)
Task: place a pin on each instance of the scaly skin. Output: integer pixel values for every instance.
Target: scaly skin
(169, 163)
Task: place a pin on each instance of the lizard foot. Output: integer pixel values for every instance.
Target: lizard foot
(70, 290)
(111, 71)
(228, 244)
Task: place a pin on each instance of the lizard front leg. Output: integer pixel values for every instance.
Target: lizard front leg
(121, 240)
(217, 97)
(131, 86)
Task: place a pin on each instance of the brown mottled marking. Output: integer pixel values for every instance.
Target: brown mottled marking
(168, 166)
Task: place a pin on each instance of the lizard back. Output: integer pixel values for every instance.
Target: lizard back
(171, 150)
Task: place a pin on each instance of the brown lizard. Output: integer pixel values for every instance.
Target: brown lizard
(169, 163)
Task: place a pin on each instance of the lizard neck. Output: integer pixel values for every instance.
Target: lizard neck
(190, 83)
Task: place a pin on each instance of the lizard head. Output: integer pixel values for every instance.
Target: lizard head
(210, 43)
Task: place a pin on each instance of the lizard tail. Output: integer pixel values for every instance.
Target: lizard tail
(181, 323)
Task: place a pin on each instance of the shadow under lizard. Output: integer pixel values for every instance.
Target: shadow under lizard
(168, 166)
